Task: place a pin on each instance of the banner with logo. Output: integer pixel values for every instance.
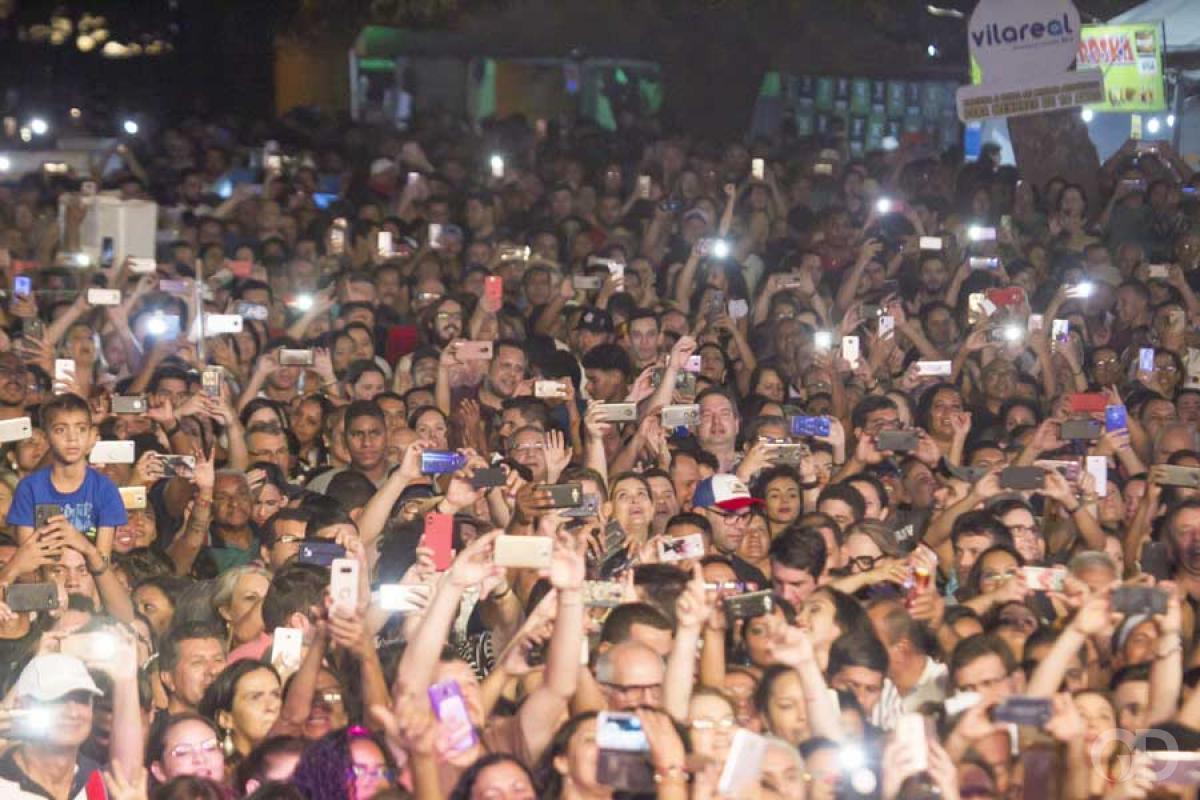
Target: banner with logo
(1022, 52)
(1130, 59)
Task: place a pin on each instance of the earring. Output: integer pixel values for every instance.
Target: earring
(227, 743)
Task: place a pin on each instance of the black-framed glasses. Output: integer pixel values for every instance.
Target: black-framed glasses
(864, 563)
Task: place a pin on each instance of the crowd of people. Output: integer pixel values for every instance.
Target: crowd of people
(543, 461)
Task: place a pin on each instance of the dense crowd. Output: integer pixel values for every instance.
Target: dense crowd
(543, 461)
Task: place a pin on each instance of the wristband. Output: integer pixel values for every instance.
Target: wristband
(105, 563)
(672, 774)
(172, 431)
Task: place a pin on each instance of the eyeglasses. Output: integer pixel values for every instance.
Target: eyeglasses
(864, 563)
(444, 315)
(733, 517)
(379, 772)
(713, 724)
(330, 698)
(289, 539)
(185, 750)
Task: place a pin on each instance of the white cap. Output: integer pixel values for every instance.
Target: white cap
(53, 676)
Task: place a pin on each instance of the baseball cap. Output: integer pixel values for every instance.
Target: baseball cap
(698, 213)
(52, 676)
(595, 319)
(726, 492)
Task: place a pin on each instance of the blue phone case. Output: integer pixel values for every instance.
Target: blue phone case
(1115, 419)
(440, 462)
(810, 426)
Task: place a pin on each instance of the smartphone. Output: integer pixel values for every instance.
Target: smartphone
(681, 548)
(343, 582)
(22, 286)
(174, 286)
(1044, 579)
(528, 552)
(400, 598)
(850, 350)
(1033, 712)
(643, 187)
(441, 462)
(493, 290)
(488, 477)
(1149, 600)
(450, 708)
(1087, 402)
(295, 358)
(142, 266)
(1097, 467)
(623, 757)
(563, 495)
(935, 369)
(320, 553)
(64, 369)
(383, 244)
(810, 426)
(549, 389)
(896, 441)
(44, 512)
(129, 404)
(979, 262)
(588, 507)
(586, 282)
(751, 604)
(1022, 478)
(683, 416)
(1086, 430)
(1158, 271)
(603, 594)
(133, 497)
(1175, 767)
(287, 647)
(439, 537)
(693, 364)
(106, 252)
(175, 466)
(616, 412)
(744, 764)
(24, 597)
(786, 453)
(931, 243)
(1155, 561)
(210, 382)
(1173, 475)
(16, 430)
(254, 311)
(1146, 359)
(980, 234)
(758, 169)
(112, 452)
(218, 324)
(1060, 330)
(474, 351)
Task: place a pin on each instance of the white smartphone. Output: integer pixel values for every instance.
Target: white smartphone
(887, 326)
(823, 341)
(435, 236)
(549, 389)
(758, 169)
(934, 368)
(16, 430)
(1097, 467)
(532, 552)
(287, 646)
(343, 583)
(401, 598)
(850, 350)
(743, 765)
(383, 244)
(217, 324)
(104, 297)
(931, 243)
(112, 452)
(1036, 322)
(142, 266)
(64, 369)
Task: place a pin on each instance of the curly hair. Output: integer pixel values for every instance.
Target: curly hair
(324, 770)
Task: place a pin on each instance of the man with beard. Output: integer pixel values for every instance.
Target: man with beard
(446, 324)
(504, 374)
(14, 383)
(933, 275)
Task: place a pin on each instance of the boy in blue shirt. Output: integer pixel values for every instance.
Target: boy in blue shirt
(91, 505)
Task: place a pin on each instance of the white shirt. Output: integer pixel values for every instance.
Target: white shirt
(930, 687)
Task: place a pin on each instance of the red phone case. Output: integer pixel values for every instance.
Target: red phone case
(1011, 296)
(493, 289)
(439, 537)
(1088, 403)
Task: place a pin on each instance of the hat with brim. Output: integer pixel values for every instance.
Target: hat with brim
(726, 492)
(53, 676)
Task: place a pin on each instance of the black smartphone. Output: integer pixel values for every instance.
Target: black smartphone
(1022, 478)
(1021, 710)
(564, 495)
(751, 604)
(1156, 561)
(320, 553)
(1139, 600)
(488, 477)
(32, 596)
(42, 512)
(1087, 430)
(896, 441)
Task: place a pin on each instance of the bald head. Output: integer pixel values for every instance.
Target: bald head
(631, 675)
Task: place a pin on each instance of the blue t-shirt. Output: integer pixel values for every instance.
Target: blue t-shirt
(95, 504)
